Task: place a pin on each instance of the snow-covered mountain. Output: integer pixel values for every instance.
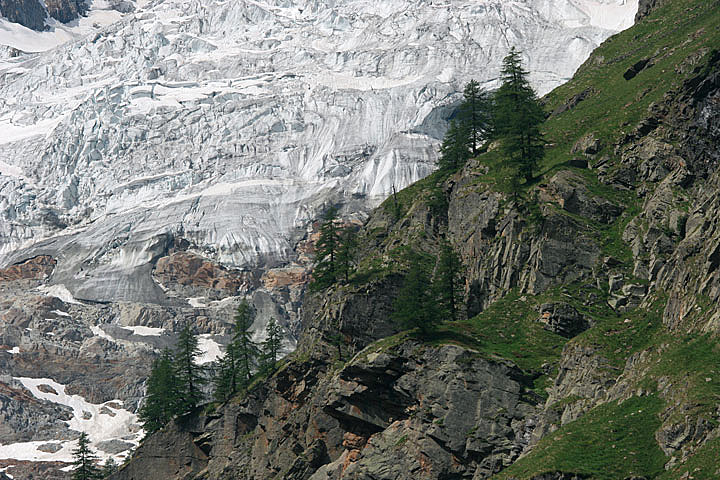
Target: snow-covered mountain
(180, 154)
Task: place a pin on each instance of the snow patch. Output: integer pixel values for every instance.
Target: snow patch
(145, 331)
(196, 302)
(28, 451)
(87, 417)
(225, 301)
(98, 331)
(210, 349)
(59, 291)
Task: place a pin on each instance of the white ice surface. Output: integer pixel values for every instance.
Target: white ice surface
(12, 132)
(10, 170)
(610, 14)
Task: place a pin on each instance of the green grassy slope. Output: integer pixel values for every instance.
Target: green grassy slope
(612, 441)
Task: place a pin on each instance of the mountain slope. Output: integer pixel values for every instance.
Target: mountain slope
(591, 347)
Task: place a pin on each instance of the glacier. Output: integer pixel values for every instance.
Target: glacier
(232, 124)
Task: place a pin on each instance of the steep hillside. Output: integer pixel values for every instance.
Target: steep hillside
(591, 344)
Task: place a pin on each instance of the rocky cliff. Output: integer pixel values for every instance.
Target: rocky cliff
(591, 344)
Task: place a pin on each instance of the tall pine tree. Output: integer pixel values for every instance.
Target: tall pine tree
(517, 117)
(227, 381)
(247, 351)
(475, 115)
(415, 306)
(241, 355)
(85, 461)
(448, 283)
(325, 271)
(455, 148)
(161, 397)
(271, 345)
(346, 250)
(190, 375)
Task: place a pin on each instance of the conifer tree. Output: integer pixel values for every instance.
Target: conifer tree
(346, 250)
(271, 345)
(247, 351)
(455, 148)
(517, 116)
(190, 377)
(448, 284)
(85, 461)
(475, 115)
(235, 368)
(160, 404)
(109, 467)
(325, 272)
(415, 306)
(227, 381)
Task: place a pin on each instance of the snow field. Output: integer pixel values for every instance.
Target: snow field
(87, 417)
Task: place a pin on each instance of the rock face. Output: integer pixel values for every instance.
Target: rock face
(66, 11)
(413, 412)
(29, 13)
(35, 15)
(36, 268)
(563, 319)
(198, 275)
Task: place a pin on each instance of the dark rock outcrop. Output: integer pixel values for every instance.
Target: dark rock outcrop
(646, 7)
(172, 453)
(30, 13)
(34, 14)
(66, 11)
(563, 319)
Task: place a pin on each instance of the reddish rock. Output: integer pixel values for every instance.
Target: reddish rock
(36, 268)
(353, 442)
(188, 269)
(293, 277)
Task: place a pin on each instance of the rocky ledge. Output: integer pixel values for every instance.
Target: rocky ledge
(395, 412)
